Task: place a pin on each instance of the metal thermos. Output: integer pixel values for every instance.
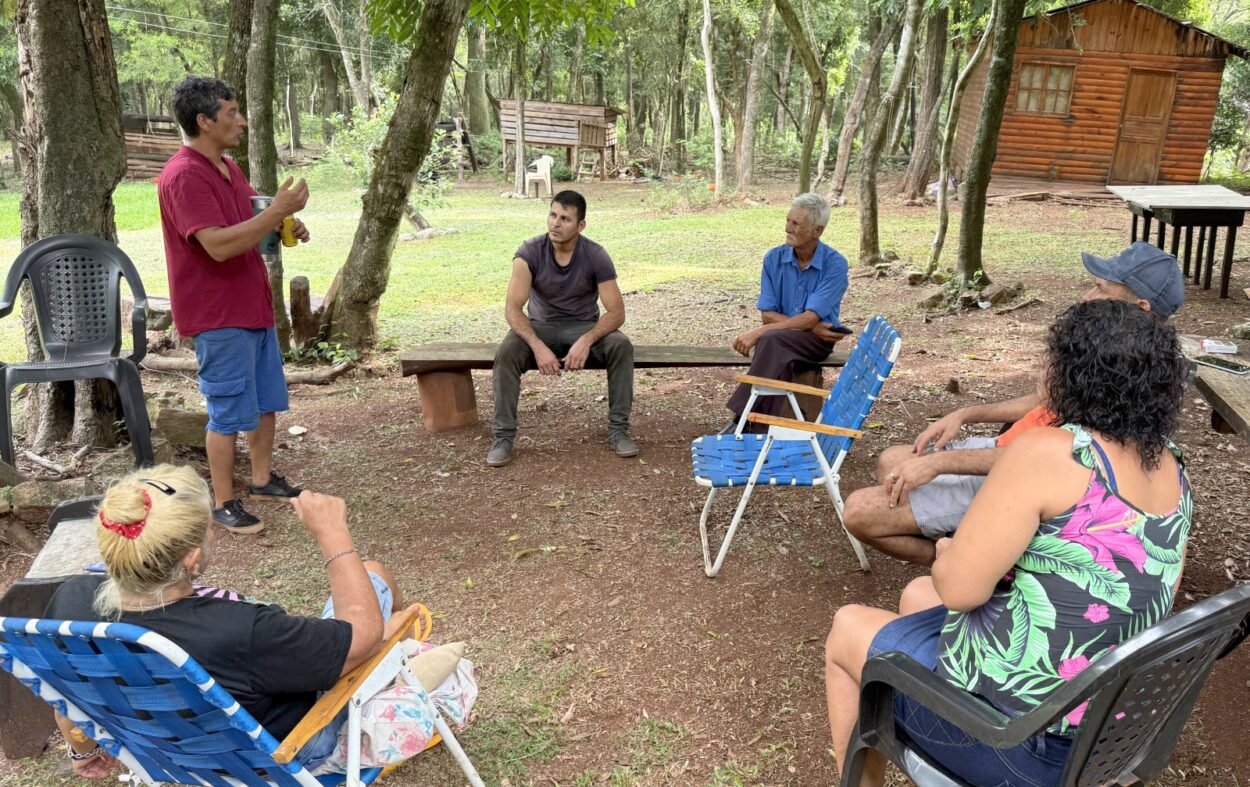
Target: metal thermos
(270, 245)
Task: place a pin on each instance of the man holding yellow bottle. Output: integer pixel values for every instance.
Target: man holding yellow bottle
(219, 290)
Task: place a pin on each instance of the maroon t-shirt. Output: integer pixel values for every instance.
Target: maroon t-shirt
(205, 294)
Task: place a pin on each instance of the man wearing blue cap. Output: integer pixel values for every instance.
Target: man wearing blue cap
(923, 492)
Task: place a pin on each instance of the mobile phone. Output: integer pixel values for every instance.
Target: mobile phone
(1224, 364)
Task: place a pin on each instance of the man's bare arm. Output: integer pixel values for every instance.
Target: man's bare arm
(805, 321)
(513, 311)
(946, 428)
(612, 319)
(223, 243)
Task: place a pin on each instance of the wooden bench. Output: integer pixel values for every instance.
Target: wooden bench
(445, 383)
(1228, 394)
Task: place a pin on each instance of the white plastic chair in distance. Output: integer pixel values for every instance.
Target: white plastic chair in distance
(543, 166)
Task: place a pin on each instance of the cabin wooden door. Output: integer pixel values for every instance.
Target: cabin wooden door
(1143, 126)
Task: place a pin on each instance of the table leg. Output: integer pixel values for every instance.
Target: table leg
(1145, 226)
(1132, 233)
(1206, 276)
(1230, 237)
(1202, 243)
(1176, 241)
(1189, 247)
(1162, 233)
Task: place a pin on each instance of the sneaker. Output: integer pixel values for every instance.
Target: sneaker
(625, 448)
(278, 488)
(500, 453)
(232, 517)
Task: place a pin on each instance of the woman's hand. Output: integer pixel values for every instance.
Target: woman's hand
(97, 767)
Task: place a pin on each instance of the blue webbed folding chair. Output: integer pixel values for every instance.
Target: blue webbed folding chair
(150, 705)
(795, 452)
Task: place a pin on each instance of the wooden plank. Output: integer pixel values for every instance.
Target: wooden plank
(447, 356)
(1196, 196)
(1229, 395)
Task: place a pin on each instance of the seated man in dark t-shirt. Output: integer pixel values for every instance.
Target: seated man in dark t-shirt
(563, 276)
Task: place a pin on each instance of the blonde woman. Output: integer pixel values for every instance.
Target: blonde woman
(156, 538)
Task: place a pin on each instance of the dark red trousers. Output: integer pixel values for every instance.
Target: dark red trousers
(777, 353)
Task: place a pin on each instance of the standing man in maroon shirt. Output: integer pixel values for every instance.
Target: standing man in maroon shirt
(219, 290)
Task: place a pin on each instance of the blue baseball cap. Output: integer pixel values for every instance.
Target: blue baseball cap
(1148, 271)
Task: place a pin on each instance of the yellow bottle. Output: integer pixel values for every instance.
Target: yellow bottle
(288, 232)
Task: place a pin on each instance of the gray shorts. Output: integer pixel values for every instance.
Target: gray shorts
(939, 505)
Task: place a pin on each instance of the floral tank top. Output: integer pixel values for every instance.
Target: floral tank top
(1091, 577)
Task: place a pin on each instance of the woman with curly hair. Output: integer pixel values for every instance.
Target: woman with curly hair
(1082, 525)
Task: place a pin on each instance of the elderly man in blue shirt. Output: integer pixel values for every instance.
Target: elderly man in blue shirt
(801, 289)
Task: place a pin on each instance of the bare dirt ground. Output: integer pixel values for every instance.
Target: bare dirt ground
(604, 654)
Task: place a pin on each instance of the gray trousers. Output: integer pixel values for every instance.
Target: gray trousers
(514, 358)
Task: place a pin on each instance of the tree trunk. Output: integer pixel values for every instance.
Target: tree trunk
(855, 110)
(816, 73)
(631, 142)
(948, 137)
(366, 56)
(826, 136)
(920, 165)
(985, 141)
(519, 88)
(262, 151)
(234, 69)
(475, 81)
(292, 114)
(74, 156)
(352, 311)
(709, 70)
(574, 93)
(329, 94)
(874, 140)
(783, 89)
(677, 103)
(360, 90)
(750, 115)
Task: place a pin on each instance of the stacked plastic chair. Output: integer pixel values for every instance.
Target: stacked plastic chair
(795, 452)
(150, 705)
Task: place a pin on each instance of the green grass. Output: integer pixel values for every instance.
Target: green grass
(452, 287)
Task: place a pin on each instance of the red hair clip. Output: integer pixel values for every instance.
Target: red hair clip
(129, 529)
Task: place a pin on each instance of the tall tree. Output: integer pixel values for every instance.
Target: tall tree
(359, 88)
(709, 70)
(958, 88)
(815, 73)
(874, 139)
(351, 309)
(234, 67)
(919, 165)
(475, 80)
(262, 150)
(985, 142)
(868, 77)
(745, 164)
(75, 155)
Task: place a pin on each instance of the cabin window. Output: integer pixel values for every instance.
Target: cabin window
(1044, 89)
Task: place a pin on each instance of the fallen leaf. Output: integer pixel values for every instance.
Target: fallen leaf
(514, 537)
(298, 430)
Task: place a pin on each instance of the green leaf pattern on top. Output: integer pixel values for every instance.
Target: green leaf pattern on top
(1090, 578)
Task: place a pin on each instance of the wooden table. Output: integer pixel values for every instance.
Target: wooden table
(1183, 208)
(1228, 394)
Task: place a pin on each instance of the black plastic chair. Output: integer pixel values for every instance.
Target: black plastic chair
(1140, 695)
(75, 282)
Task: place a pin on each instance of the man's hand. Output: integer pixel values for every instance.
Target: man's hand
(910, 474)
(97, 767)
(824, 331)
(546, 360)
(290, 199)
(321, 514)
(301, 232)
(940, 432)
(745, 341)
(578, 353)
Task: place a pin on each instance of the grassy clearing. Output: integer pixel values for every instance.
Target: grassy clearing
(451, 287)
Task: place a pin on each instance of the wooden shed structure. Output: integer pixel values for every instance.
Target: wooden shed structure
(577, 127)
(151, 140)
(1104, 91)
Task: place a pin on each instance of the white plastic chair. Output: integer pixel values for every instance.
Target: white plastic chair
(542, 176)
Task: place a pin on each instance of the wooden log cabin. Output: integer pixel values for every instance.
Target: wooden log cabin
(577, 127)
(1104, 91)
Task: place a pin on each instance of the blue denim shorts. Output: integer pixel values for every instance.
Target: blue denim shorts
(240, 376)
(1038, 762)
(321, 745)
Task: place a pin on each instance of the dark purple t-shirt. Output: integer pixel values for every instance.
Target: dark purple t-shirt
(570, 292)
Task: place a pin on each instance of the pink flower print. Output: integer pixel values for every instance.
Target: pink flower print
(1077, 713)
(1100, 524)
(1070, 668)
(1096, 613)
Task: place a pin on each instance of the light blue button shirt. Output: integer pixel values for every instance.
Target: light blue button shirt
(819, 287)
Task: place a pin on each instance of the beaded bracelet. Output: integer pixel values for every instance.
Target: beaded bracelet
(77, 757)
(344, 553)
